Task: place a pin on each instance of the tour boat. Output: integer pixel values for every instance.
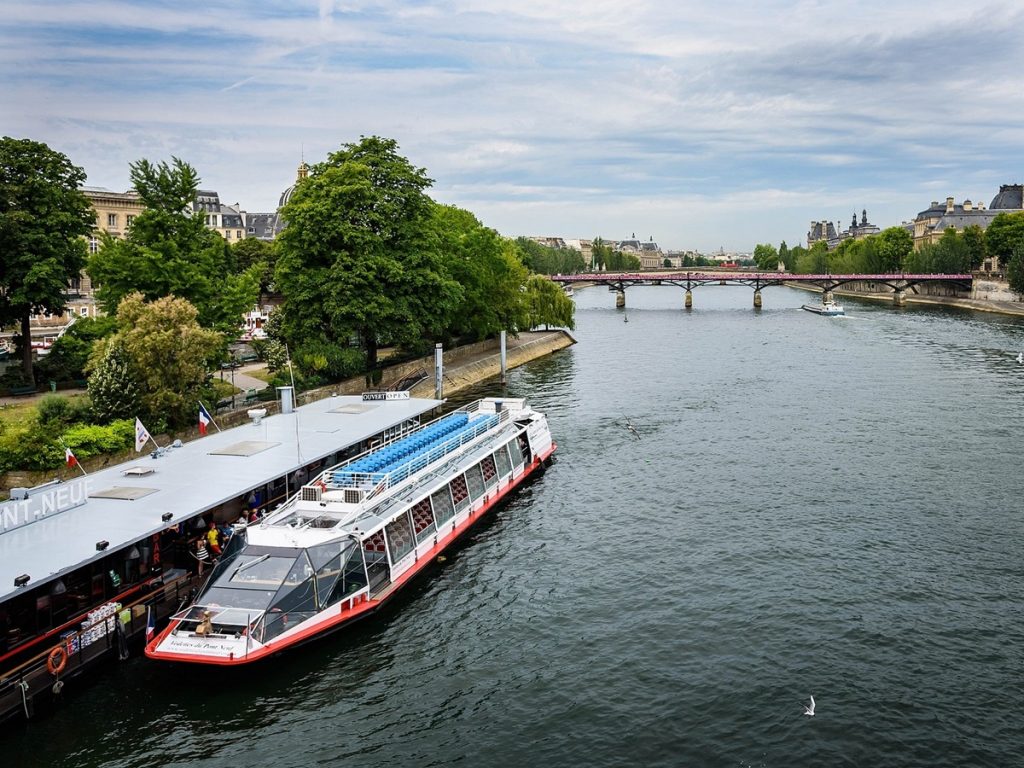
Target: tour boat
(350, 539)
(828, 308)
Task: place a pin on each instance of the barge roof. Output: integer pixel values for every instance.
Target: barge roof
(124, 504)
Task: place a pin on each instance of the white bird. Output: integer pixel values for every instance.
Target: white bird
(810, 710)
(631, 428)
(1020, 357)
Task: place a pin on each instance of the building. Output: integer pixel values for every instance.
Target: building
(829, 233)
(931, 223)
(649, 253)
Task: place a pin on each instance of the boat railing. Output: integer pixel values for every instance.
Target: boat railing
(382, 481)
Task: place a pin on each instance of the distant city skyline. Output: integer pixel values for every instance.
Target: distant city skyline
(705, 127)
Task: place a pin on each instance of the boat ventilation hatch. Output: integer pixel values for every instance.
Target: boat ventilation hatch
(353, 496)
(311, 492)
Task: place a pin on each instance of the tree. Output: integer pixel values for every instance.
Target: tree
(43, 220)
(251, 252)
(169, 251)
(166, 352)
(113, 389)
(70, 354)
(487, 268)
(1004, 234)
(547, 303)
(358, 255)
(974, 240)
(1015, 271)
(894, 244)
(766, 257)
(784, 256)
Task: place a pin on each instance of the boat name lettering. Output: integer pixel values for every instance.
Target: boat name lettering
(15, 514)
(385, 395)
(200, 646)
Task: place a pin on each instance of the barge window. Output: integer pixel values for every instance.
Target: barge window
(490, 471)
(441, 501)
(460, 493)
(423, 521)
(503, 462)
(517, 452)
(475, 480)
(353, 575)
(259, 571)
(400, 537)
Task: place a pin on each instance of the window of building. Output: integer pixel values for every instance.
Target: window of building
(111, 219)
(75, 283)
(252, 230)
(238, 234)
(128, 219)
(84, 311)
(94, 245)
(207, 219)
(227, 233)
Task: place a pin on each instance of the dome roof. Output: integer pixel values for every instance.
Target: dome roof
(286, 196)
(1010, 197)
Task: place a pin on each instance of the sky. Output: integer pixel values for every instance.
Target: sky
(701, 125)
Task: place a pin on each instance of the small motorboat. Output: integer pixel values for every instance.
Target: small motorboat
(828, 308)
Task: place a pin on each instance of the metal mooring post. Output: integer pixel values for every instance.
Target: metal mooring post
(504, 366)
(438, 372)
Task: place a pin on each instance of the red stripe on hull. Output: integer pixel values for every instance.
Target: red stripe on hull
(359, 611)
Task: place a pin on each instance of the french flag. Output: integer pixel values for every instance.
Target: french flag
(69, 457)
(204, 419)
(150, 623)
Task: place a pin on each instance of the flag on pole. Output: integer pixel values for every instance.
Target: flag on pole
(141, 435)
(150, 623)
(204, 419)
(69, 457)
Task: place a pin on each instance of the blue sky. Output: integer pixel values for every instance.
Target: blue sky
(704, 125)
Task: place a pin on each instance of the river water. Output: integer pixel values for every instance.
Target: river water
(815, 506)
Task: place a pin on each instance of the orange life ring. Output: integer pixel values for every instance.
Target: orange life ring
(57, 660)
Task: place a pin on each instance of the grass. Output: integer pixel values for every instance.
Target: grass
(25, 410)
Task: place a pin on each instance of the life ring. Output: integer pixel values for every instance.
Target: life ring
(57, 660)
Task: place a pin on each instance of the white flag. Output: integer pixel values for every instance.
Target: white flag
(141, 435)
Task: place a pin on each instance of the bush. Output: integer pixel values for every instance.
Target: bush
(57, 411)
(88, 440)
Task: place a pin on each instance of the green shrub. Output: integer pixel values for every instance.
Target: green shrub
(88, 440)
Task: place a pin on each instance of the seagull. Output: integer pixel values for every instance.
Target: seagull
(631, 428)
(810, 710)
(1020, 357)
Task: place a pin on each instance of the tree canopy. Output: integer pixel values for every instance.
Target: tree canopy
(169, 251)
(162, 349)
(43, 220)
(1004, 235)
(357, 255)
(547, 303)
(766, 257)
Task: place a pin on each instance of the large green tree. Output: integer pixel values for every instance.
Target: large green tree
(169, 251)
(547, 303)
(43, 219)
(161, 347)
(1015, 271)
(894, 245)
(358, 253)
(766, 257)
(1004, 235)
(487, 268)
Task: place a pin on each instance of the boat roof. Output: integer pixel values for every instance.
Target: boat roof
(124, 504)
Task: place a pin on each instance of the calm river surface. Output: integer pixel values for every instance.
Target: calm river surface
(816, 506)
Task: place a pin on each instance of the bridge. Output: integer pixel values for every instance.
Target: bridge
(619, 281)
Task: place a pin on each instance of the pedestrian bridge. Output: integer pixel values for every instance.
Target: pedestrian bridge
(620, 281)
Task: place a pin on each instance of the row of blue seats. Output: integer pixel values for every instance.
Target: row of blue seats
(375, 461)
(481, 424)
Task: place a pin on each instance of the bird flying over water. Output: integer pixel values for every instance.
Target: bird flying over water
(631, 428)
(1020, 357)
(809, 710)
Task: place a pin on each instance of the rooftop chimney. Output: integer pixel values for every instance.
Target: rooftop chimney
(968, 206)
(950, 205)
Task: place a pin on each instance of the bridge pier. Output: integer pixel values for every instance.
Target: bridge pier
(620, 299)
(899, 299)
(757, 299)
(688, 301)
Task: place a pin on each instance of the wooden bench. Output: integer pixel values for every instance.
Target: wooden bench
(23, 389)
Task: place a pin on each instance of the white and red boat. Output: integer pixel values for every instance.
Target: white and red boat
(349, 540)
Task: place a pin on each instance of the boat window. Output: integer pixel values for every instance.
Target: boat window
(423, 520)
(258, 571)
(490, 471)
(475, 481)
(295, 601)
(460, 493)
(400, 539)
(353, 575)
(441, 502)
(323, 553)
(502, 461)
(517, 452)
(257, 599)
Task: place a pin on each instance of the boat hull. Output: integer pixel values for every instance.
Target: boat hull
(828, 310)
